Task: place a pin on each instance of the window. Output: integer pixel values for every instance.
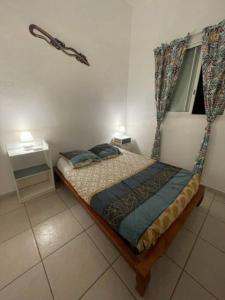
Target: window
(199, 107)
(188, 93)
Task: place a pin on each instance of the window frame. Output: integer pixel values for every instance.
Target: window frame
(195, 85)
(195, 41)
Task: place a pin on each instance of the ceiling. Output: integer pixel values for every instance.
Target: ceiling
(133, 2)
(136, 2)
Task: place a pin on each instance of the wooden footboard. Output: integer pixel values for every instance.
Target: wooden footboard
(141, 264)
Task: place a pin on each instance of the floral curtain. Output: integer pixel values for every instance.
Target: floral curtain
(213, 70)
(168, 62)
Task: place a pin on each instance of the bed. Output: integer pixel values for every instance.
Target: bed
(140, 204)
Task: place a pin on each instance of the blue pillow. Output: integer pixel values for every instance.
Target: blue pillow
(80, 158)
(105, 151)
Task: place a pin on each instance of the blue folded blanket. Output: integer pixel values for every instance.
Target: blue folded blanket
(132, 205)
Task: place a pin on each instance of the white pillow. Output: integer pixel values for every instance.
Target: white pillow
(64, 165)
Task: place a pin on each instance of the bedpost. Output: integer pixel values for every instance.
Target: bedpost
(142, 282)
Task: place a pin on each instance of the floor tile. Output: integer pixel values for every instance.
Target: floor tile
(189, 289)
(56, 231)
(103, 243)
(13, 223)
(214, 232)
(67, 196)
(9, 203)
(74, 268)
(181, 247)
(109, 287)
(41, 209)
(217, 208)
(164, 276)
(220, 196)
(17, 255)
(32, 285)
(207, 266)
(208, 198)
(82, 216)
(195, 220)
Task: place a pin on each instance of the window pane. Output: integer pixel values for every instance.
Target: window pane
(199, 106)
(183, 91)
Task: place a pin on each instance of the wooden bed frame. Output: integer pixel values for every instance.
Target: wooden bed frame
(142, 263)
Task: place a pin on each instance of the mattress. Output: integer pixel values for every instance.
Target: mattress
(98, 183)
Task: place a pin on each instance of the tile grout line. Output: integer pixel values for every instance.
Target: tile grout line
(80, 233)
(98, 278)
(110, 263)
(54, 215)
(130, 291)
(83, 229)
(184, 271)
(188, 257)
(41, 259)
(108, 268)
(40, 255)
(12, 237)
(199, 283)
(170, 258)
(197, 236)
(218, 219)
(125, 286)
(86, 230)
(201, 238)
(2, 288)
(33, 226)
(61, 198)
(13, 210)
(124, 282)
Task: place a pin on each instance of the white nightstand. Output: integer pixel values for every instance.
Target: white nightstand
(123, 142)
(31, 169)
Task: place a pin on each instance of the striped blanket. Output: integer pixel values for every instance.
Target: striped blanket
(133, 204)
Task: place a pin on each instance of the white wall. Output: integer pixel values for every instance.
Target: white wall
(71, 105)
(49, 93)
(160, 21)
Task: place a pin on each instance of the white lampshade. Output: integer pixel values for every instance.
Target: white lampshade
(26, 136)
(122, 129)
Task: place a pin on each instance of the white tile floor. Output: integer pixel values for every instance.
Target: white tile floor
(51, 249)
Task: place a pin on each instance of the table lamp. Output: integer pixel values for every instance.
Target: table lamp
(27, 140)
